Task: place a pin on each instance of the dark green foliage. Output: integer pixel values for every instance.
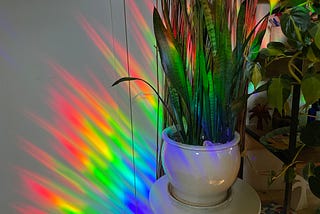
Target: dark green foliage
(310, 135)
(300, 24)
(312, 174)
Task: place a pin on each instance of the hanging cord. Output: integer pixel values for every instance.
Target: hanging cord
(130, 105)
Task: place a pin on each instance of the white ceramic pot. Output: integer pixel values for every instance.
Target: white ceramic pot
(200, 175)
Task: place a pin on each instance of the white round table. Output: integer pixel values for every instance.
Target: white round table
(243, 199)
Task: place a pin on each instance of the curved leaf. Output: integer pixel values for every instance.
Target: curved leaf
(310, 88)
(256, 74)
(171, 60)
(294, 22)
(256, 44)
(278, 92)
(315, 33)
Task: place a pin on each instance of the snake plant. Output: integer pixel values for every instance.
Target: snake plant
(206, 48)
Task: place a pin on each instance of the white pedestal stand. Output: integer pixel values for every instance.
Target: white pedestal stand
(243, 199)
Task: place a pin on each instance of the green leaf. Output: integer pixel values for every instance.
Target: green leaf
(315, 33)
(210, 25)
(310, 88)
(314, 184)
(310, 134)
(307, 170)
(312, 56)
(171, 60)
(176, 107)
(256, 44)
(294, 22)
(271, 52)
(240, 25)
(256, 74)
(278, 92)
(273, 4)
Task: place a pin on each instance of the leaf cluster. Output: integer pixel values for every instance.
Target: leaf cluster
(205, 47)
(300, 25)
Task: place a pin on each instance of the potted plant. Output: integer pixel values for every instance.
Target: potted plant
(205, 48)
(297, 60)
(293, 68)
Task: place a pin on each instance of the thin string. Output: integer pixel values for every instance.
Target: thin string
(130, 105)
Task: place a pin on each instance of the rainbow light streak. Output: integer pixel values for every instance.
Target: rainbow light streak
(119, 61)
(91, 168)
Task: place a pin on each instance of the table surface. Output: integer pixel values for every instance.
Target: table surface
(244, 199)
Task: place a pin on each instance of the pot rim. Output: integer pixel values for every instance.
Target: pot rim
(214, 147)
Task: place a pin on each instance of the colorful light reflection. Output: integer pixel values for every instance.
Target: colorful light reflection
(91, 169)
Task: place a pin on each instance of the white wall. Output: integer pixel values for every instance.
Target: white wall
(36, 34)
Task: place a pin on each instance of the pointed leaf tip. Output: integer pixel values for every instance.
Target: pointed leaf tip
(123, 79)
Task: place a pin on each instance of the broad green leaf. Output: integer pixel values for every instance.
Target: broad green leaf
(278, 92)
(256, 74)
(308, 170)
(310, 88)
(170, 57)
(295, 21)
(310, 134)
(271, 52)
(315, 33)
(311, 56)
(314, 184)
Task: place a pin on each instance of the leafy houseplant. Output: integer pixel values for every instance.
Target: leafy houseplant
(300, 24)
(300, 54)
(204, 48)
(207, 49)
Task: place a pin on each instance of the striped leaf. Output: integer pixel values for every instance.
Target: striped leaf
(171, 60)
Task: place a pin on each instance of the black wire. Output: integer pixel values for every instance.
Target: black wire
(130, 105)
